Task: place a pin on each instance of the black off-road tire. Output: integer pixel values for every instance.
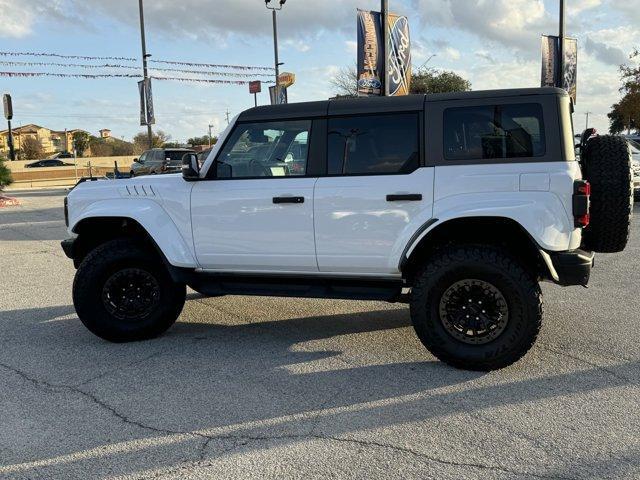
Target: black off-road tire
(518, 287)
(95, 272)
(606, 164)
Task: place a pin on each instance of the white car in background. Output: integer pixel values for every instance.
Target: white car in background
(634, 145)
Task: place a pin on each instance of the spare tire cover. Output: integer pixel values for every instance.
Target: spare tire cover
(606, 164)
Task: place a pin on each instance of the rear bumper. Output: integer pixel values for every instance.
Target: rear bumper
(570, 268)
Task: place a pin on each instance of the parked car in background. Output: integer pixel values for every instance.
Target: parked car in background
(202, 156)
(48, 163)
(61, 156)
(634, 145)
(158, 161)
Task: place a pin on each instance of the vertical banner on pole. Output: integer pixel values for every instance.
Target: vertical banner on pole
(143, 103)
(151, 115)
(551, 64)
(570, 74)
(147, 114)
(399, 74)
(282, 99)
(370, 53)
(549, 61)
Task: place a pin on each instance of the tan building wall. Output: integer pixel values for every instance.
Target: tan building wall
(52, 141)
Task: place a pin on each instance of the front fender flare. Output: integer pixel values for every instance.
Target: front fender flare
(152, 217)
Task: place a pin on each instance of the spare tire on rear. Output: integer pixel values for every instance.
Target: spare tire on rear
(606, 164)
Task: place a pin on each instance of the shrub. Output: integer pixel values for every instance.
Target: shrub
(5, 175)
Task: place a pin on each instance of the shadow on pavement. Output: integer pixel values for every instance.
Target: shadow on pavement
(244, 382)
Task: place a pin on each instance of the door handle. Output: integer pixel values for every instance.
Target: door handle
(281, 200)
(412, 197)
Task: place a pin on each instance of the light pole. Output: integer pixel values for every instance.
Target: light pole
(560, 81)
(274, 11)
(210, 137)
(384, 8)
(145, 70)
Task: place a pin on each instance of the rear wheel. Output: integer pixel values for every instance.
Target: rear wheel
(123, 293)
(607, 165)
(476, 308)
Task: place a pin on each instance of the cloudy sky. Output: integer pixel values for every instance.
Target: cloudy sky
(494, 43)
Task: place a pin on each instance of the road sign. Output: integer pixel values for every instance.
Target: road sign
(255, 87)
(8, 106)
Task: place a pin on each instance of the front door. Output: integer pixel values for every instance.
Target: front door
(257, 214)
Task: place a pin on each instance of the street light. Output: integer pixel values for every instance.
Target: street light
(274, 9)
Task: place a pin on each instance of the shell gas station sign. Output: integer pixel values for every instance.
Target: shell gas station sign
(286, 79)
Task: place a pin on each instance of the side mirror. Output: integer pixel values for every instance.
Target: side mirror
(136, 160)
(190, 167)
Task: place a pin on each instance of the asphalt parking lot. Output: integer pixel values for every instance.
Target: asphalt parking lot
(280, 388)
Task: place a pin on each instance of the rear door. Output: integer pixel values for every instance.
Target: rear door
(377, 193)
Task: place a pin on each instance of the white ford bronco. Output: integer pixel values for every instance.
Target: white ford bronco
(458, 204)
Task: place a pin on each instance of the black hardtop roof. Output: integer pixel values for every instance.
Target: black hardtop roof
(347, 106)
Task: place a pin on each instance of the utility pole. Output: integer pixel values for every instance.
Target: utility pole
(145, 69)
(274, 11)
(210, 137)
(384, 8)
(227, 114)
(587, 114)
(560, 80)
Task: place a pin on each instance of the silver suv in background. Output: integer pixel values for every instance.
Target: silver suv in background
(158, 161)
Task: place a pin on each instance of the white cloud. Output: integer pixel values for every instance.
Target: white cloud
(298, 45)
(515, 24)
(16, 20)
(20, 17)
(452, 53)
(351, 46)
(576, 8)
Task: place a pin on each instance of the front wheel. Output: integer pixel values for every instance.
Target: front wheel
(476, 308)
(122, 292)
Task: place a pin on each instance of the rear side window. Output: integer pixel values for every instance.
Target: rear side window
(494, 132)
(374, 144)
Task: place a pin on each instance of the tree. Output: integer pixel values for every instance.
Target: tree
(141, 141)
(345, 82)
(100, 148)
(428, 80)
(203, 140)
(31, 149)
(625, 115)
(431, 80)
(5, 175)
(81, 142)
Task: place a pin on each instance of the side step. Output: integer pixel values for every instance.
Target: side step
(301, 287)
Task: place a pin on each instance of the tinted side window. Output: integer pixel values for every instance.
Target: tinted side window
(494, 132)
(269, 149)
(374, 144)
